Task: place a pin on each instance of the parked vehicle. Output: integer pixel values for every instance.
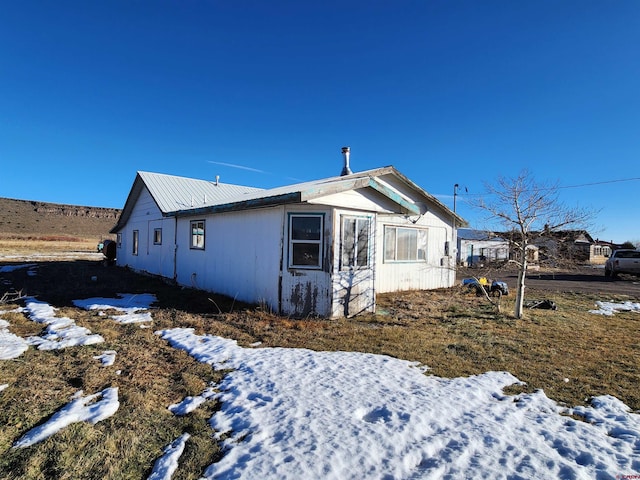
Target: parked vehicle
(623, 261)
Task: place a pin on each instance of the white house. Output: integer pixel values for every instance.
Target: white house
(322, 248)
(479, 247)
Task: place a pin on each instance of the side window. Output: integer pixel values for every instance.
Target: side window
(402, 244)
(305, 241)
(157, 236)
(197, 234)
(119, 240)
(355, 242)
(135, 242)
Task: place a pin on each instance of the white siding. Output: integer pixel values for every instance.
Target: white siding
(438, 271)
(156, 259)
(241, 258)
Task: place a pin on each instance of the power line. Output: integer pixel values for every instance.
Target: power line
(603, 182)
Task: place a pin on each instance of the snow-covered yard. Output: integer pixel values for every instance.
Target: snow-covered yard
(297, 413)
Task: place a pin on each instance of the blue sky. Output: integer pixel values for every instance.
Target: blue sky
(266, 94)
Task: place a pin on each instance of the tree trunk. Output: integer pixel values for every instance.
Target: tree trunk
(520, 287)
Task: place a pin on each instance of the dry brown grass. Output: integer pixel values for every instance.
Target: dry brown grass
(15, 245)
(453, 332)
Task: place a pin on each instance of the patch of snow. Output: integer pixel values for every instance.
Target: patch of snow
(189, 404)
(11, 345)
(133, 306)
(61, 332)
(167, 464)
(93, 409)
(107, 358)
(609, 308)
(295, 413)
(3, 386)
(13, 268)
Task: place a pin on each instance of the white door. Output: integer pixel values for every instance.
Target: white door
(353, 288)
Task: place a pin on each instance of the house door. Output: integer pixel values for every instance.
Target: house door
(353, 290)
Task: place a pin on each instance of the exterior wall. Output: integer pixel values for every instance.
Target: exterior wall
(599, 254)
(476, 252)
(241, 258)
(151, 258)
(307, 291)
(437, 271)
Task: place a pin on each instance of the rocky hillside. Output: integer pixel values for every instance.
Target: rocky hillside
(31, 219)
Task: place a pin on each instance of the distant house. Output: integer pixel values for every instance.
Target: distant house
(477, 248)
(558, 247)
(324, 247)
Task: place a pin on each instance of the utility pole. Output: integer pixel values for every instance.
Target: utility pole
(455, 193)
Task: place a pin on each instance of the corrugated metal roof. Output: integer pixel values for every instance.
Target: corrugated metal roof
(187, 196)
(172, 193)
(471, 234)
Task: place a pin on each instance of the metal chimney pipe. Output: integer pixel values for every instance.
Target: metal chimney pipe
(346, 170)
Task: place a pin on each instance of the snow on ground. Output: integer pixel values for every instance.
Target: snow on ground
(609, 308)
(189, 404)
(108, 357)
(134, 306)
(11, 346)
(295, 413)
(3, 386)
(61, 332)
(92, 408)
(12, 268)
(167, 464)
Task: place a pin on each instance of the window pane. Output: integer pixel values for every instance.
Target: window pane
(306, 254)
(135, 242)
(363, 243)
(197, 234)
(389, 243)
(422, 244)
(306, 228)
(348, 241)
(407, 244)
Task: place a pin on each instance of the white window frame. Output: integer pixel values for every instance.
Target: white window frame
(157, 236)
(295, 243)
(197, 241)
(420, 253)
(351, 249)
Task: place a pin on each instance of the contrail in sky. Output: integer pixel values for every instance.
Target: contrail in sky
(241, 167)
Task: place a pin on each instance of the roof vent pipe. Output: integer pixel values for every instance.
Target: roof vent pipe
(217, 180)
(346, 170)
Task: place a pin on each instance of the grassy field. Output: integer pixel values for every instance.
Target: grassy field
(569, 353)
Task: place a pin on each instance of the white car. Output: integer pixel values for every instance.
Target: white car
(623, 261)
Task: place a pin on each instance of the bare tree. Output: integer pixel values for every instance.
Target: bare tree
(527, 209)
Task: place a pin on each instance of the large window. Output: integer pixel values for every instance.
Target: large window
(355, 242)
(402, 244)
(135, 242)
(197, 234)
(305, 241)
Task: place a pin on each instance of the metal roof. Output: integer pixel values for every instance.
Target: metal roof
(172, 193)
(176, 196)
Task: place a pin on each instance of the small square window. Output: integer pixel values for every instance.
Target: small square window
(197, 234)
(305, 241)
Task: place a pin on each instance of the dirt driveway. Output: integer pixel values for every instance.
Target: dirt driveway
(586, 280)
